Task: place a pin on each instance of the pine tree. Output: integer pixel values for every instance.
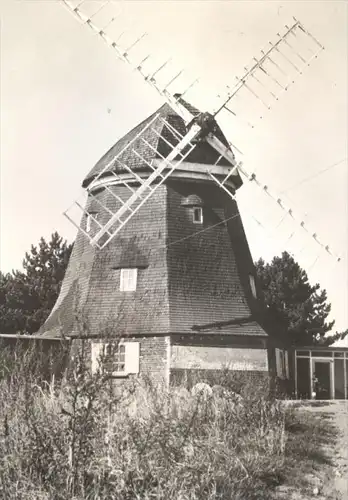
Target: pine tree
(299, 307)
(27, 297)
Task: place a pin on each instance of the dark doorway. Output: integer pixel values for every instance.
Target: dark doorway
(303, 378)
(322, 380)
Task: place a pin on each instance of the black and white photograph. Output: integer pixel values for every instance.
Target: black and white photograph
(173, 249)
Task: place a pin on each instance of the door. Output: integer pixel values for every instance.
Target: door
(322, 379)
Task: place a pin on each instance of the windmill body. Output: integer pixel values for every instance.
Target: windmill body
(177, 280)
(161, 264)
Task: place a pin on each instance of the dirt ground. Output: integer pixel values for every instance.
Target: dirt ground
(331, 482)
(336, 484)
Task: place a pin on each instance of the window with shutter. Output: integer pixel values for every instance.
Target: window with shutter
(117, 358)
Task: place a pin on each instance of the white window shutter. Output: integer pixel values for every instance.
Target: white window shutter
(278, 363)
(132, 357)
(96, 352)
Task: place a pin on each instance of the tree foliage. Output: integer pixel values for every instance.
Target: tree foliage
(27, 297)
(299, 307)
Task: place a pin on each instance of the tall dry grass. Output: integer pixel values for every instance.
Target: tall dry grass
(79, 438)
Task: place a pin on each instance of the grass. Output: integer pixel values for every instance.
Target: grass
(79, 438)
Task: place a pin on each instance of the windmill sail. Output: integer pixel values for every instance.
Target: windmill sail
(272, 73)
(256, 91)
(120, 169)
(143, 164)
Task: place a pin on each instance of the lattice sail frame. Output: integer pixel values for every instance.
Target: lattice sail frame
(265, 79)
(129, 177)
(269, 76)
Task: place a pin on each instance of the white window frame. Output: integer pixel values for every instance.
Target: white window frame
(90, 216)
(199, 211)
(131, 359)
(128, 279)
(253, 285)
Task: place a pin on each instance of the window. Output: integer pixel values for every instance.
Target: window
(128, 280)
(90, 216)
(322, 354)
(117, 358)
(252, 285)
(302, 353)
(197, 213)
(114, 355)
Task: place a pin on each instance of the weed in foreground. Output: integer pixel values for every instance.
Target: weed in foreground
(80, 438)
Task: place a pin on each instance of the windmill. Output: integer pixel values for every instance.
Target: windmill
(161, 250)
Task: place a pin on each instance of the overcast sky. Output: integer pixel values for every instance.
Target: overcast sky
(65, 99)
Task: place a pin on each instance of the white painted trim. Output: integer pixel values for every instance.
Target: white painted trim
(332, 378)
(313, 360)
(311, 376)
(193, 171)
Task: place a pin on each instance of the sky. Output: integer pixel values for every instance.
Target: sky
(66, 98)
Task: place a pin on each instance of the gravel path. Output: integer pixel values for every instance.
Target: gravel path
(337, 485)
(332, 482)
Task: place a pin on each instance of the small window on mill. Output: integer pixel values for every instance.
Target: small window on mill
(128, 280)
(197, 213)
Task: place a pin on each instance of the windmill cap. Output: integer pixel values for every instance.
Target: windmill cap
(153, 145)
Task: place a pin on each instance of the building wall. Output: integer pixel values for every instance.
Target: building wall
(91, 286)
(153, 356)
(164, 360)
(208, 272)
(184, 279)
